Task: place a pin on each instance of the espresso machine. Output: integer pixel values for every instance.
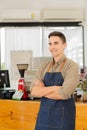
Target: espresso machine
(21, 82)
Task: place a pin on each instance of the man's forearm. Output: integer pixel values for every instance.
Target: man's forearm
(54, 95)
(38, 91)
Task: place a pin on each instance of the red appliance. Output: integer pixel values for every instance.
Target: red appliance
(21, 82)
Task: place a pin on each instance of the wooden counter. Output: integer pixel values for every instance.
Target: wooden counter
(21, 115)
(18, 115)
(81, 116)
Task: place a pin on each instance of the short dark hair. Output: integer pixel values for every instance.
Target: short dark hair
(59, 34)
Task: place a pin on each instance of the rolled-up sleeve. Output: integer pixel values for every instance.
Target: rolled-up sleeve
(71, 80)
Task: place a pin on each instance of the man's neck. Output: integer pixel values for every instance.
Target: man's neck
(56, 59)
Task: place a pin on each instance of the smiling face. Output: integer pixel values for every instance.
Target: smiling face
(56, 47)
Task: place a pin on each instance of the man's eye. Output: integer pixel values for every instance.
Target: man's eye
(49, 44)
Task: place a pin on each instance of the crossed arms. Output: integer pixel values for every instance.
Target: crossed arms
(39, 90)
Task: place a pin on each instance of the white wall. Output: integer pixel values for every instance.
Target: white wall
(36, 7)
(40, 4)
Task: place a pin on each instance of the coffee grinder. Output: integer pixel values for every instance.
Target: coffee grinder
(21, 82)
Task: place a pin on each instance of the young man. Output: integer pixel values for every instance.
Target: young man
(55, 83)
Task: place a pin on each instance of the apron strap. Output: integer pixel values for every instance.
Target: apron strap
(49, 66)
(61, 66)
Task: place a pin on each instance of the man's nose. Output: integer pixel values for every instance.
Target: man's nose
(53, 46)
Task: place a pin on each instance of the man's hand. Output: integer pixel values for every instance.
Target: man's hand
(38, 83)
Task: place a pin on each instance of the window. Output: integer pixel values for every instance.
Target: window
(19, 38)
(36, 39)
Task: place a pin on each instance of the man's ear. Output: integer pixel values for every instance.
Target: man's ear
(65, 44)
